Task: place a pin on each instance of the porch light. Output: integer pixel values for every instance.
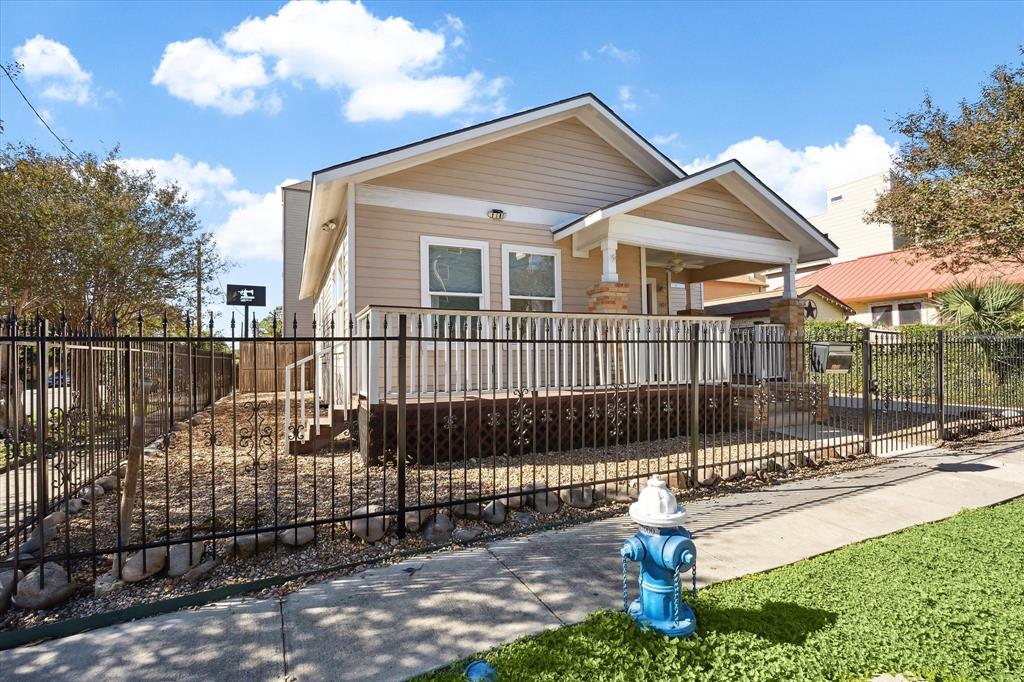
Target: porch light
(329, 226)
(496, 214)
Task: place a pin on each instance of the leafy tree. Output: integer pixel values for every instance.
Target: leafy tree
(265, 326)
(84, 233)
(957, 189)
(982, 308)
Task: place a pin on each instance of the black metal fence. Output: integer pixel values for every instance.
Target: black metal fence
(414, 413)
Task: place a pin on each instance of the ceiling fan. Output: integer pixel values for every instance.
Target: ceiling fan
(678, 264)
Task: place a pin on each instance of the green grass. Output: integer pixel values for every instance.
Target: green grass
(940, 602)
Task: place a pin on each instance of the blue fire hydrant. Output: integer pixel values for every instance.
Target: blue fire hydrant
(665, 551)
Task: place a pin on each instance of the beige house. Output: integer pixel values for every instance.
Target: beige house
(559, 209)
(747, 310)
(573, 250)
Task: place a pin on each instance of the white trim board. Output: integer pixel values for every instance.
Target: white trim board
(447, 204)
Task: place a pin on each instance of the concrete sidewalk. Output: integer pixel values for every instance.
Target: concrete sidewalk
(392, 622)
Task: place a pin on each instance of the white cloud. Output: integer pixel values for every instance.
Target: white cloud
(51, 66)
(665, 139)
(253, 228)
(201, 181)
(200, 72)
(388, 67)
(618, 54)
(800, 176)
(626, 100)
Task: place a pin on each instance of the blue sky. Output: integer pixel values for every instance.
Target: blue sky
(233, 98)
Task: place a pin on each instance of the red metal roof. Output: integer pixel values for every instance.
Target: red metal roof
(892, 275)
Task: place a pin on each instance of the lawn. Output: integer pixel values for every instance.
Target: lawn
(939, 602)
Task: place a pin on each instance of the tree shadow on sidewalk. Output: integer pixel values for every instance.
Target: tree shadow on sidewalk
(778, 622)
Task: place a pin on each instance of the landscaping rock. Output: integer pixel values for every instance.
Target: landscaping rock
(711, 481)
(246, 545)
(545, 502)
(581, 497)
(617, 492)
(107, 584)
(370, 529)
(737, 475)
(494, 512)
(32, 545)
(179, 426)
(155, 560)
(56, 588)
(514, 500)
(200, 418)
(149, 452)
(55, 519)
(524, 518)
(414, 520)
(108, 483)
(468, 511)
(122, 469)
(297, 537)
(197, 573)
(91, 492)
(73, 506)
(679, 479)
(438, 529)
(180, 563)
(7, 581)
(467, 534)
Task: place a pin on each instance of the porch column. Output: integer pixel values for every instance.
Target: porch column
(694, 299)
(611, 295)
(789, 312)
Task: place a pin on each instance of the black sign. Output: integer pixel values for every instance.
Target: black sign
(246, 294)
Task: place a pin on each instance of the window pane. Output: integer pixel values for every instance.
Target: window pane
(881, 315)
(455, 269)
(531, 305)
(455, 302)
(531, 274)
(910, 313)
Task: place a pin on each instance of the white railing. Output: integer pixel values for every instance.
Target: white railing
(758, 352)
(455, 353)
(330, 385)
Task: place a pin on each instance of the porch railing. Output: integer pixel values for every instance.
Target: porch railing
(467, 353)
(758, 352)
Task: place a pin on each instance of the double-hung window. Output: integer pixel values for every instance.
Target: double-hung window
(531, 278)
(881, 315)
(453, 273)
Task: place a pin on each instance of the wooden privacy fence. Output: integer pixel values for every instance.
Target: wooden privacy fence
(257, 369)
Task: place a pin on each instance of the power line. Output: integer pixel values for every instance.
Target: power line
(41, 119)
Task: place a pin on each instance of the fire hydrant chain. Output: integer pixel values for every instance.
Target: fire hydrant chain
(693, 590)
(677, 599)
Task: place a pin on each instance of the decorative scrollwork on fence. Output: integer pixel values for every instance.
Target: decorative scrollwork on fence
(521, 419)
(255, 434)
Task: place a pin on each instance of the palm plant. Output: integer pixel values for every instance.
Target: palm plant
(978, 308)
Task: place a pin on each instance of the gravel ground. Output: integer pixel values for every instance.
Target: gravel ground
(231, 487)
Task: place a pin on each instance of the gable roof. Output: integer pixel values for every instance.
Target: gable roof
(757, 304)
(890, 275)
(743, 184)
(329, 199)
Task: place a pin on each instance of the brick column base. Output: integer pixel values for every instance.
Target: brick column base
(608, 297)
(789, 312)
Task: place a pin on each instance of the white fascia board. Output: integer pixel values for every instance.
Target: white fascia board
(700, 241)
(447, 204)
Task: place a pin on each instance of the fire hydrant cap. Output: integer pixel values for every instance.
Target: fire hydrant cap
(657, 506)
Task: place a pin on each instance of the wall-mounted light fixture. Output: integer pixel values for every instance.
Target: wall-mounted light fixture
(496, 214)
(329, 226)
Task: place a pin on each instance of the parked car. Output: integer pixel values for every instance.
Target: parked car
(58, 381)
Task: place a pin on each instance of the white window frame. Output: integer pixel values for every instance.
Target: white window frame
(506, 295)
(426, 241)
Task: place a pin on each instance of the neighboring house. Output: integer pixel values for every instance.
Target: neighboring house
(843, 222)
(562, 209)
(734, 286)
(297, 314)
(887, 289)
(751, 309)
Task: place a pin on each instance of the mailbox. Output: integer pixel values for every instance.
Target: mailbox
(832, 357)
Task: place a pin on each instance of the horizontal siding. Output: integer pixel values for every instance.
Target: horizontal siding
(564, 166)
(712, 206)
(388, 256)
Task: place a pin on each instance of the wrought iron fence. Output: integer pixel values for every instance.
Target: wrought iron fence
(396, 418)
